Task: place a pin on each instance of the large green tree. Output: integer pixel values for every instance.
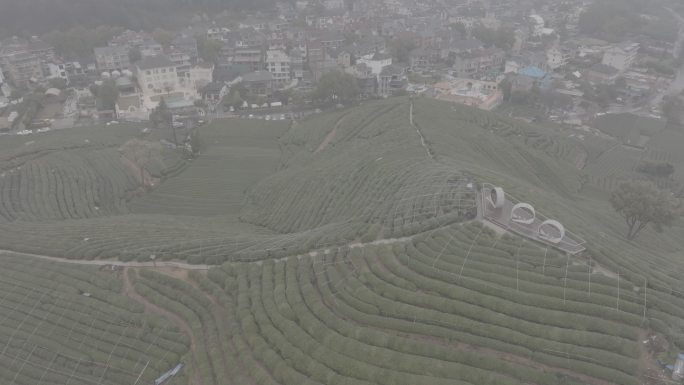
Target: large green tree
(208, 49)
(336, 86)
(107, 94)
(641, 203)
(401, 47)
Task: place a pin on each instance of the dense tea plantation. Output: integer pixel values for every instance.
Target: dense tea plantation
(453, 306)
(346, 249)
(63, 324)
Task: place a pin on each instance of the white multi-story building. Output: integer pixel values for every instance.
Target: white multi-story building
(278, 64)
(376, 62)
(198, 76)
(157, 75)
(557, 58)
(621, 56)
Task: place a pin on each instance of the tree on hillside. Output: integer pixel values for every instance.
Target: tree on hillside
(642, 203)
(107, 94)
(208, 49)
(336, 86)
(503, 38)
(163, 37)
(134, 55)
(401, 48)
(162, 117)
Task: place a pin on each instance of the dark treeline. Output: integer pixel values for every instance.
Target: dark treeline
(36, 17)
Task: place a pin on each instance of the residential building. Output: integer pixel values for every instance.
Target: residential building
(197, 77)
(521, 83)
(477, 63)
(181, 60)
(422, 59)
(57, 71)
(526, 59)
(376, 62)
(557, 58)
(25, 61)
(621, 56)
(186, 44)
(602, 74)
(218, 33)
(22, 68)
(344, 58)
(484, 95)
(367, 80)
(112, 58)
(330, 40)
(315, 53)
(297, 63)
(391, 80)
(259, 83)
(251, 57)
(460, 46)
(333, 4)
(141, 41)
(213, 93)
(278, 64)
(157, 75)
(541, 78)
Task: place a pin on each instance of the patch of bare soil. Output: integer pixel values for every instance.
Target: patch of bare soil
(137, 155)
(327, 140)
(652, 345)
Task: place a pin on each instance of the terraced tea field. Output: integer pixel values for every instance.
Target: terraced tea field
(344, 249)
(453, 306)
(64, 324)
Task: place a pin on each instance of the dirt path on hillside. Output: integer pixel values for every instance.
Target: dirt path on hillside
(331, 135)
(129, 291)
(111, 262)
(423, 142)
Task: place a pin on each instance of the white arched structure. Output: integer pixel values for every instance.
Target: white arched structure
(496, 197)
(546, 233)
(523, 213)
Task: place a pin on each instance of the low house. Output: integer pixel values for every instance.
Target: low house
(541, 78)
(258, 83)
(376, 62)
(213, 92)
(392, 79)
(602, 74)
(421, 59)
(484, 95)
(365, 77)
(621, 56)
(4, 124)
(112, 58)
(476, 63)
(521, 83)
(557, 58)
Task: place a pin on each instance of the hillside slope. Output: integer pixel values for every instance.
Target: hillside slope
(350, 250)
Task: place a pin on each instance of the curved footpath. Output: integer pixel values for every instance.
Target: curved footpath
(110, 262)
(178, 265)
